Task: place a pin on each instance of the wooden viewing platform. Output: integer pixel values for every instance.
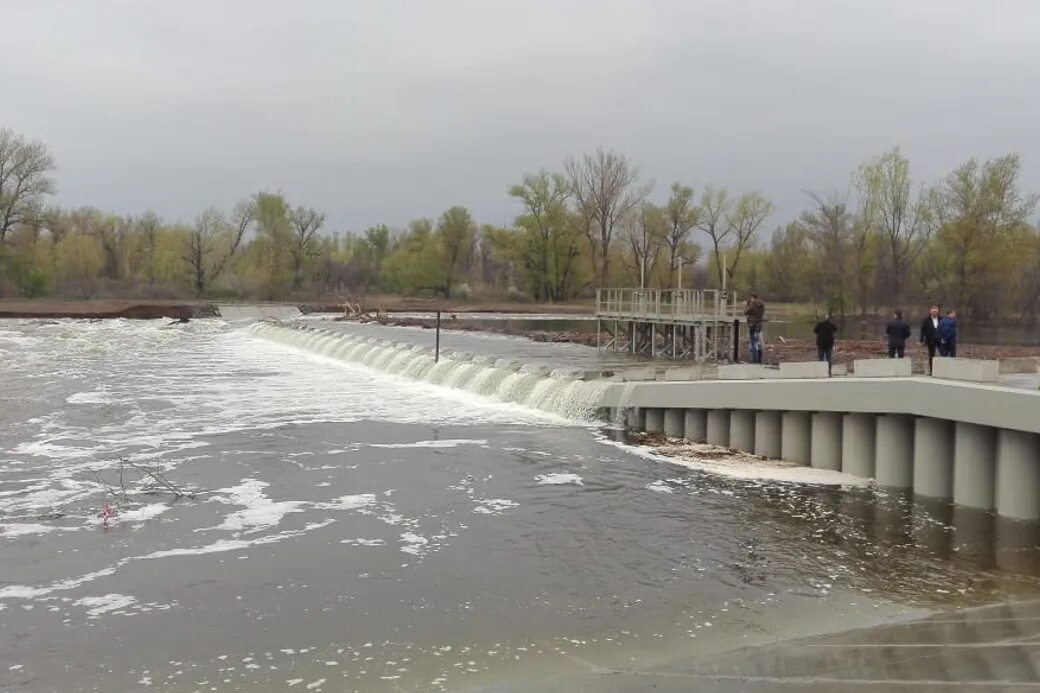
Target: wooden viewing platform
(698, 324)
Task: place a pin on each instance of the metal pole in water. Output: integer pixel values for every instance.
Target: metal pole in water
(437, 341)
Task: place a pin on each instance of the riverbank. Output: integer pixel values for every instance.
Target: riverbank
(152, 309)
(100, 309)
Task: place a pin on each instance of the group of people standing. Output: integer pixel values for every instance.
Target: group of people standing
(938, 333)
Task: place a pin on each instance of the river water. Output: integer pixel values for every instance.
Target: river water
(354, 517)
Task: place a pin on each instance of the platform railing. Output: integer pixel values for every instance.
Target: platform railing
(664, 304)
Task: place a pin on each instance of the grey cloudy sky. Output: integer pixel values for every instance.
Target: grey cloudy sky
(388, 110)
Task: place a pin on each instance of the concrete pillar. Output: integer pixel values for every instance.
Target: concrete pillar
(1018, 475)
(974, 465)
(933, 457)
(825, 452)
(654, 420)
(796, 437)
(767, 434)
(696, 425)
(635, 419)
(742, 430)
(894, 451)
(857, 445)
(673, 423)
(718, 427)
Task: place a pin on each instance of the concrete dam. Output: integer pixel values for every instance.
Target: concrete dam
(959, 435)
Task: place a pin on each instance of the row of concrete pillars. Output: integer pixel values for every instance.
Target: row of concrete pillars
(976, 466)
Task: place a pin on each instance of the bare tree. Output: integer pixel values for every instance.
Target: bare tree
(213, 241)
(604, 185)
(682, 215)
(645, 230)
(744, 220)
(24, 182)
(712, 220)
(306, 223)
(884, 185)
(149, 225)
(829, 226)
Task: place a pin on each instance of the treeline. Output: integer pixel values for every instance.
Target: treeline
(879, 241)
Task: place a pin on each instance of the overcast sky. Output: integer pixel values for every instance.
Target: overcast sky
(388, 110)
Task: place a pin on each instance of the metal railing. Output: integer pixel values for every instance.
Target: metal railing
(671, 305)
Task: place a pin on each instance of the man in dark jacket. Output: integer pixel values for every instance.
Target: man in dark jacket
(755, 310)
(930, 334)
(825, 331)
(948, 335)
(898, 332)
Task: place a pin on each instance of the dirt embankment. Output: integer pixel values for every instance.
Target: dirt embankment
(149, 309)
(96, 309)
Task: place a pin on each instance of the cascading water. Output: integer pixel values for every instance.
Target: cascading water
(504, 380)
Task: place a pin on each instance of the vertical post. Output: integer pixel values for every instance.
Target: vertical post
(437, 340)
(736, 340)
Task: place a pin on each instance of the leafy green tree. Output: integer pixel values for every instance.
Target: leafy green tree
(981, 215)
(414, 263)
(274, 238)
(454, 243)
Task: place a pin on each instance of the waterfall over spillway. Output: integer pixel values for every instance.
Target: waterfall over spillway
(504, 380)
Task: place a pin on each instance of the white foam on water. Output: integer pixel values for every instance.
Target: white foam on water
(559, 479)
(414, 544)
(429, 444)
(494, 506)
(21, 530)
(259, 513)
(363, 542)
(96, 606)
(659, 487)
(142, 514)
(95, 397)
(738, 465)
(352, 502)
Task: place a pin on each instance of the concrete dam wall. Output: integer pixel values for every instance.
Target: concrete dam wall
(976, 444)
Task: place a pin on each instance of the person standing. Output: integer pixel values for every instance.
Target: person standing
(825, 331)
(930, 334)
(948, 335)
(898, 332)
(755, 310)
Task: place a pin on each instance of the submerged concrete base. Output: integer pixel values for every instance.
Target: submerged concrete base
(718, 427)
(974, 470)
(673, 423)
(695, 426)
(655, 420)
(1018, 475)
(767, 434)
(742, 430)
(858, 445)
(826, 440)
(894, 446)
(796, 437)
(933, 457)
